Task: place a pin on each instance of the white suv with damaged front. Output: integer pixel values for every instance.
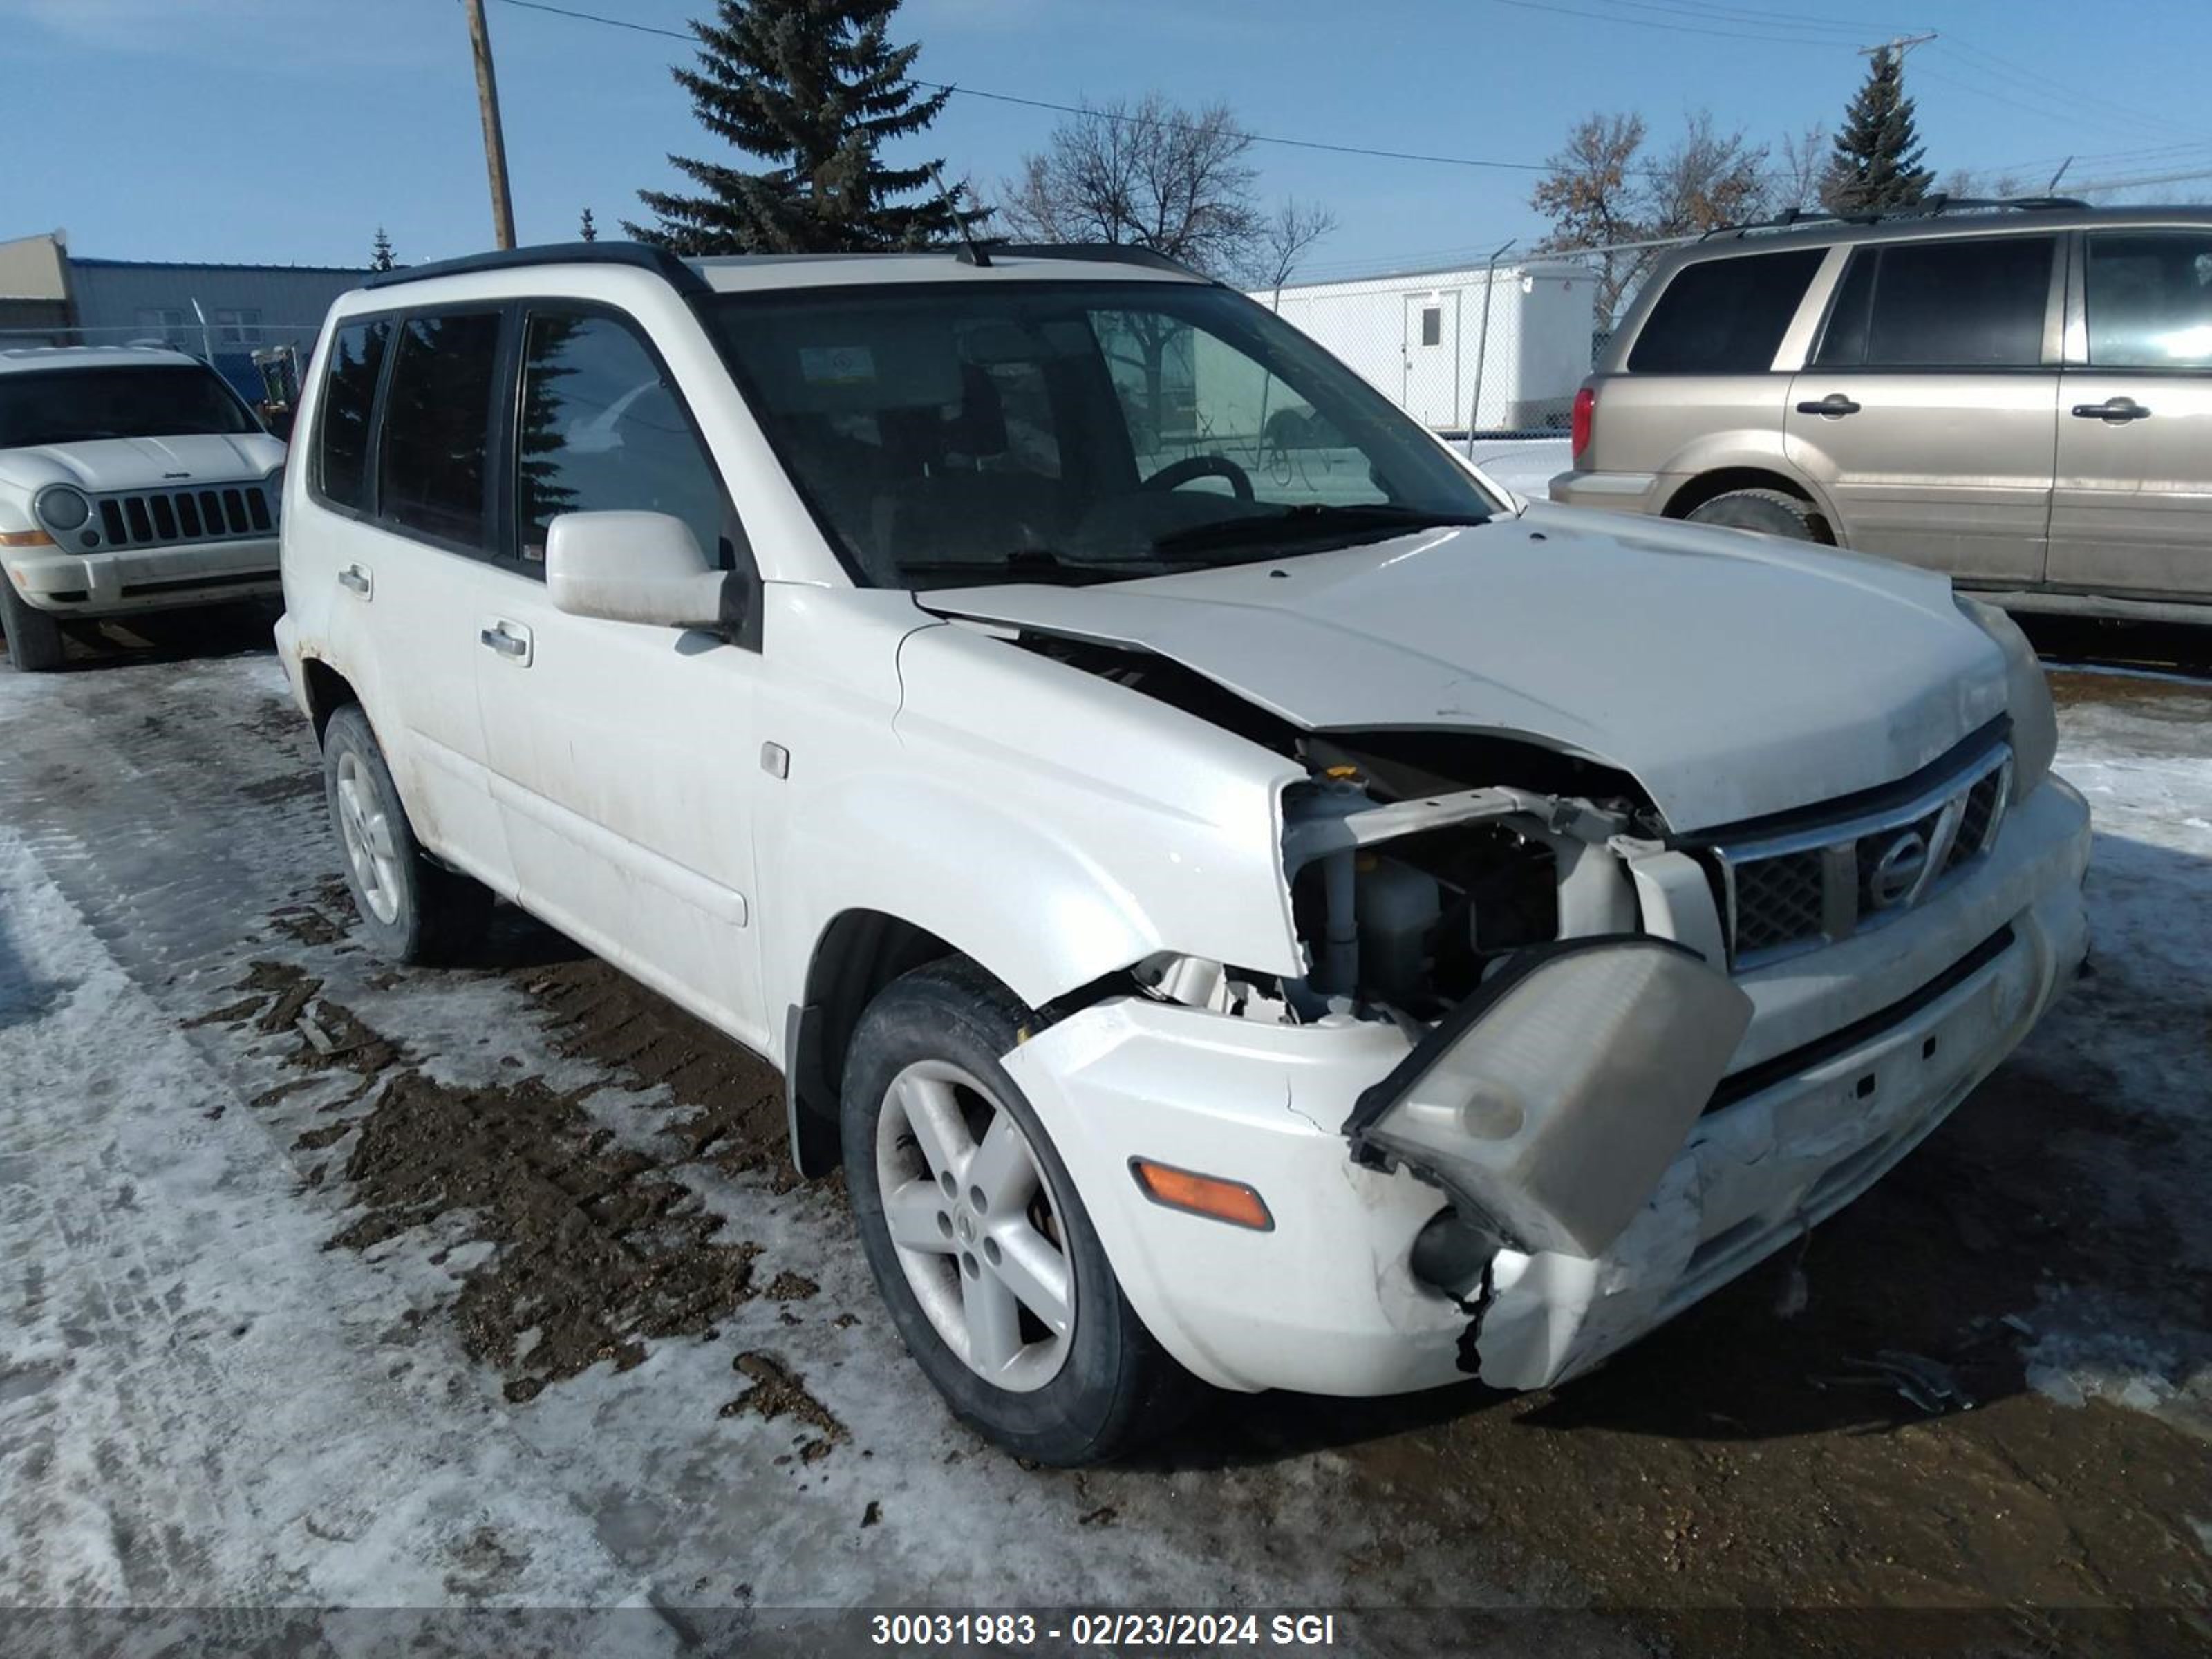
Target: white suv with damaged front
(132, 479)
(1241, 897)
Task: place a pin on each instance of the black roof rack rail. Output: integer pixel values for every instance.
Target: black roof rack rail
(1928, 207)
(1111, 253)
(639, 255)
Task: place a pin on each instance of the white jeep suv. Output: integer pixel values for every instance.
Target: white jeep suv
(132, 479)
(1274, 910)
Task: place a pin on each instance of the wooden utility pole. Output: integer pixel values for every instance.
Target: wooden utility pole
(503, 208)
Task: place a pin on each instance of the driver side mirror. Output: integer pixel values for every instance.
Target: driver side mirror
(631, 567)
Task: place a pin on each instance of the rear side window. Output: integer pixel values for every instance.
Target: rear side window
(1724, 316)
(2150, 300)
(349, 400)
(1944, 304)
(602, 430)
(437, 427)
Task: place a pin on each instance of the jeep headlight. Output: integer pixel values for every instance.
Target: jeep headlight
(2027, 697)
(63, 507)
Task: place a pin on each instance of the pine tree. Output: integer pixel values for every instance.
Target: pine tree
(1876, 164)
(815, 87)
(379, 257)
(587, 231)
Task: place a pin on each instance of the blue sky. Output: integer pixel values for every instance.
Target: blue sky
(287, 131)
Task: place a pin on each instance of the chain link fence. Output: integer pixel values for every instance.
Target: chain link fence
(1494, 348)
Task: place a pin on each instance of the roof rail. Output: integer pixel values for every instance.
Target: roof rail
(638, 256)
(1111, 253)
(1927, 207)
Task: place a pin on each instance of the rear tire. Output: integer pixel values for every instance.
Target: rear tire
(929, 1118)
(411, 909)
(34, 639)
(1769, 511)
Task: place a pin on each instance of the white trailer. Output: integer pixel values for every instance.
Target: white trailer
(1421, 339)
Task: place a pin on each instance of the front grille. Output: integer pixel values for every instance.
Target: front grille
(154, 517)
(1979, 818)
(1777, 900)
(1794, 892)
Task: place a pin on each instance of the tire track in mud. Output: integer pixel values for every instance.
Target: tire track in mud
(598, 1248)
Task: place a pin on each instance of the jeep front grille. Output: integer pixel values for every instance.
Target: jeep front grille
(218, 513)
(1789, 892)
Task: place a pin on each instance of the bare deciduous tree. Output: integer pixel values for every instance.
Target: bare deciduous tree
(1154, 174)
(1966, 182)
(1285, 237)
(1599, 194)
(1804, 160)
(1709, 178)
(1150, 174)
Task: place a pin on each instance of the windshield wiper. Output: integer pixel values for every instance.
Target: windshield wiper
(1309, 520)
(1033, 564)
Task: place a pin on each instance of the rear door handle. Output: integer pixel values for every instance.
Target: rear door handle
(510, 639)
(2112, 408)
(354, 579)
(1834, 404)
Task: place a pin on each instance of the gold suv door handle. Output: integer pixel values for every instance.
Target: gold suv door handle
(2112, 408)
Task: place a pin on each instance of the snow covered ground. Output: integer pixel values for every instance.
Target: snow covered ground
(1524, 465)
(203, 1403)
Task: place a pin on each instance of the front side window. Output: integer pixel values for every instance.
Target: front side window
(2149, 299)
(437, 427)
(1075, 431)
(1724, 316)
(601, 430)
(1945, 304)
(151, 400)
(349, 401)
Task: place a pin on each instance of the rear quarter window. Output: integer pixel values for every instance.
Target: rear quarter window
(349, 402)
(1724, 316)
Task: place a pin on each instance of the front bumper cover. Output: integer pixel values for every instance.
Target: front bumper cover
(145, 579)
(1328, 1303)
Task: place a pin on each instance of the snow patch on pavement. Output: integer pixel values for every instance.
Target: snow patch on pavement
(2136, 1036)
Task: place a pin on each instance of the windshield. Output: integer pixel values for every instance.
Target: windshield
(961, 433)
(74, 405)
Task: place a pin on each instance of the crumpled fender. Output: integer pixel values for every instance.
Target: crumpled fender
(1549, 1104)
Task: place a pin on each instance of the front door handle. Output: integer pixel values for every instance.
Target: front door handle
(354, 579)
(514, 646)
(1834, 404)
(2112, 408)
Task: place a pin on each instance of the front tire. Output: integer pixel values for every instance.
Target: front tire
(411, 909)
(1769, 511)
(979, 1242)
(34, 639)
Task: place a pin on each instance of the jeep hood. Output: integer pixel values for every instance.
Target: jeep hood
(108, 464)
(1732, 675)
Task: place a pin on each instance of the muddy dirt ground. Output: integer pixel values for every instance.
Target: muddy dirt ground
(1983, 1387)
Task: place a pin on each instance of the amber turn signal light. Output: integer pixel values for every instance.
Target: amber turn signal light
(25, 538)
(1232, 1201)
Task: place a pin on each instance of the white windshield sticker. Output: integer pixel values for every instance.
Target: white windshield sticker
(836, 364)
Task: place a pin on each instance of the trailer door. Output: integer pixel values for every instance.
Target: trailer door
(1431, 393)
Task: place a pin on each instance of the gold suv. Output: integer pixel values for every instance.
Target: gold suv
(2019, 394)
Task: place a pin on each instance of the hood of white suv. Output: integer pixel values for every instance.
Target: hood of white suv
(1732, 675)
(102, 464)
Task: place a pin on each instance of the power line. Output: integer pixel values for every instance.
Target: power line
(1670, 29)
(1368, 152)
(1078, 109)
